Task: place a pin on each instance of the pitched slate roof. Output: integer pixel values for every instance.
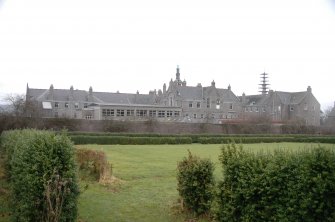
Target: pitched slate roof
(98, 97)
(200, 93)
(255, 99)
(190, 92)
(291, 98)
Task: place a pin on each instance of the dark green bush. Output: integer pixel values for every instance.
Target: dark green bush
(196, 183)
(36, 160)
(284, 186)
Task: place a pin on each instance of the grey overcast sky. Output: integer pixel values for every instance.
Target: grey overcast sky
(134, 45)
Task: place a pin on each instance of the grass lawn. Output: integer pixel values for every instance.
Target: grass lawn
(147, 191)
(148, 188)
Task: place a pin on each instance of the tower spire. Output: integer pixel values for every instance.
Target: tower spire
(264, 84)
(178, 74)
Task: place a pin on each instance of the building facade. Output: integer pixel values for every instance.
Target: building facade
(178, 102)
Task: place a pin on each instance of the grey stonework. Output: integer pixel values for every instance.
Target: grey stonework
(178, 102)
(330, 121)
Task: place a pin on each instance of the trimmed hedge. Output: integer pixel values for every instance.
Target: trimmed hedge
(284, 186)
(196, 183)
(119, 138)
(123, 140)
(42, 175)
(248, 140)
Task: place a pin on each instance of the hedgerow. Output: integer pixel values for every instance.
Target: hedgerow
(196, 183)
(284, 186)
(124, 140)
(42, 175)
(132, 138)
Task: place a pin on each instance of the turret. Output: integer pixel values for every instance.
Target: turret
(164, 88)
(178, 74)
(213, 84)
(184, 83)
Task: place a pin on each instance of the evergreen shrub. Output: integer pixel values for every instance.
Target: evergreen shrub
(36, 160)
(196, 183)
(282, 186)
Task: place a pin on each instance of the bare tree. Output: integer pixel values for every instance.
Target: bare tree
(324, 114)
(19, 106)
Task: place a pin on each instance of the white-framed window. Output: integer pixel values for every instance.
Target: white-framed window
(56, 104)
(176, 113)
(66, 105)
(161, 113)
(88, 117)
(107, 112)
(169, 113)
(217, 104)
(76, 105)
(231, 106)
(141, 112)
(202, 116)
(198, 105)
(119, 112)
(194, 115)
(85, 105)
(130, 112)
(152, 113)
(190, 104)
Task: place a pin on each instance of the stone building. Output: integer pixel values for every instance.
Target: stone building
(279, 107)
(178, 102)
(330, 121)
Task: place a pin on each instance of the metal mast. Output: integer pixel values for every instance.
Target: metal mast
(264, 84)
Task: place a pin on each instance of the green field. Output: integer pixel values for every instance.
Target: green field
(148, 188)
